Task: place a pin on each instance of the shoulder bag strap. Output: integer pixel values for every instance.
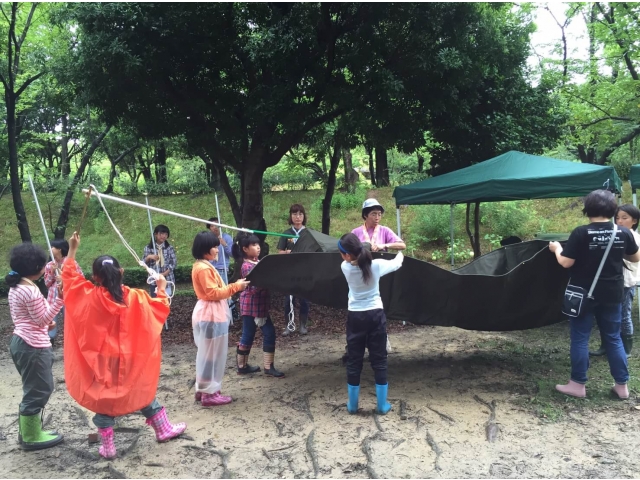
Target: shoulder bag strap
(604, 258)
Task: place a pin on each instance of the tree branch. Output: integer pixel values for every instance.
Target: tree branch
(34, 5)
(624, 140)
(26, 84)
(625, 50)
(622, 119)
(125, 153)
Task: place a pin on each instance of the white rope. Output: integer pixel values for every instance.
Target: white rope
(291, 326)
(44, 228)
(153, 275)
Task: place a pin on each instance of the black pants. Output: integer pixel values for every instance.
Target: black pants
(367, 329)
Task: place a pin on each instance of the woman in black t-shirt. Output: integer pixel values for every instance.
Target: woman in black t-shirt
(582, 254)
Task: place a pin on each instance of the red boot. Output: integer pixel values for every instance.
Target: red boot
(164, 429)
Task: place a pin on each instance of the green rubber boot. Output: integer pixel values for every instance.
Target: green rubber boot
(32, 437)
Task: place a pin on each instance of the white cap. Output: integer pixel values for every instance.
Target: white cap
(372, 202)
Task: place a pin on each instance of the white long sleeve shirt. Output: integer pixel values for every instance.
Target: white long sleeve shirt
(366, 296)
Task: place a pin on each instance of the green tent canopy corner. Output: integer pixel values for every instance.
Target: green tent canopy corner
(634, 178)
(511, 176)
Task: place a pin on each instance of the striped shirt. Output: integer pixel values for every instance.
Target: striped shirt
(32, 314)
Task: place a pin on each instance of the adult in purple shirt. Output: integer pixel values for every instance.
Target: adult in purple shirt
(380, 238)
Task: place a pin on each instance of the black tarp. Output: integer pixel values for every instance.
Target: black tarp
(516, 287)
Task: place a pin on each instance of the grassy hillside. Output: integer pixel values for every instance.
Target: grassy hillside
(425, 228)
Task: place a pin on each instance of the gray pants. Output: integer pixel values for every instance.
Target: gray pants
(34, 366)
(105, 421)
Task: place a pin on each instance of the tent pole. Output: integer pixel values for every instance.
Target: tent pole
(635, 198)
(451, 232)
(398, 220)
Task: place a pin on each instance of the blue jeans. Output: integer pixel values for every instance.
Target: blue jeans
(249, 328)
(608, 319)
(304, 306)
(223, 274)
(58, 318)
(627, 303)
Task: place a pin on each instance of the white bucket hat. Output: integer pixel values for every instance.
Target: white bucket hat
(372, 202)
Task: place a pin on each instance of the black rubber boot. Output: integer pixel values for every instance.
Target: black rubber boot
(303, 324)
(269, 368)
(242, 357)
(627, 343)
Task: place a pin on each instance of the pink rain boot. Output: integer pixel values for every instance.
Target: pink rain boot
(163, 428)
(621, 391)
(573, 389)
(108, 448)
(214, 399)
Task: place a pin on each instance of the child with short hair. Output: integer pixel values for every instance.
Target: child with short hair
(628, 216)
(254, 309)
(30, 345)
(53, 279)
(366, 321)
(113, 348)
(210, 320)
(164, 260)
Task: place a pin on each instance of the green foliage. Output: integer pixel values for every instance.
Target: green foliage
(461, 252)
(433, 222)
(507, 218)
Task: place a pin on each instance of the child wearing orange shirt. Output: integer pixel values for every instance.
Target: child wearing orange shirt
(210, 320)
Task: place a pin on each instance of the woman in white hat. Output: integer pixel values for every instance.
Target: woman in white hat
(380, 238)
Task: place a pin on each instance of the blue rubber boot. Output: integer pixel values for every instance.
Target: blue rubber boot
(354, 392)
(383, 406)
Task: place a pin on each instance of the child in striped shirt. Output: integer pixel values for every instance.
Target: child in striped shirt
(30, 345)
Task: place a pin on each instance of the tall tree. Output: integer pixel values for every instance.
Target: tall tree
(601, 93)
(16, 79)
(247, 82)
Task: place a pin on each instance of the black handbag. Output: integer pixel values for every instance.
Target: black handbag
(576, 299)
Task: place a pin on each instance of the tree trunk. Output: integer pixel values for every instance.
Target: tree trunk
(14, 171)
(474, 238)
(331, 186)
(66, 204)
(372, 171)
(65, 166)
(420, 163)
(349, 172)
(145, 169)
(382, 167)
(252, 206)
(112, 177)
(161, 163)
(219, 172)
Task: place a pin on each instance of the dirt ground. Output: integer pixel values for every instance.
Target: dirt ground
(441, 389)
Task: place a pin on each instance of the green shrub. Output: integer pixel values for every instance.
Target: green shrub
(507, 218)
(433, 222)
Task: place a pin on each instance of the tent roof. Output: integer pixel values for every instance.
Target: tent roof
(510, 176)
(634, 177)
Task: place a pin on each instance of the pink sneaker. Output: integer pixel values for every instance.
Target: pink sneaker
(621, 390)
(164, 429)
(573, 389)
(214, 399)
(108, 448)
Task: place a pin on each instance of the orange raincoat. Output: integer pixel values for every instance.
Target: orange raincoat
(112, 352)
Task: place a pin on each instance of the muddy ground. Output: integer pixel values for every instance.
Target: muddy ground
(443, 384)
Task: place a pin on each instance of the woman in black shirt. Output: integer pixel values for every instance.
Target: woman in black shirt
(582, 254)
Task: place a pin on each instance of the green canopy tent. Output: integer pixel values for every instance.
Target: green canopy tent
(634, 180)
(510, 176)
